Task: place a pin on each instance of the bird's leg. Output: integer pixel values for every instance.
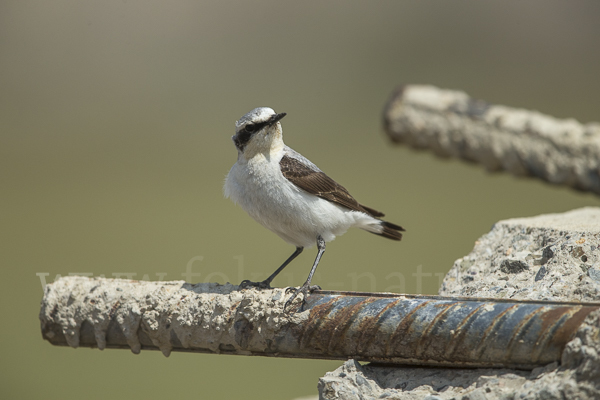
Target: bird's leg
(306, 287)
(266, 284)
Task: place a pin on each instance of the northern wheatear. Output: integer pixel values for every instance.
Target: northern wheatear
(291, 196)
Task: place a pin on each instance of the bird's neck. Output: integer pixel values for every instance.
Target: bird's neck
(271, 150)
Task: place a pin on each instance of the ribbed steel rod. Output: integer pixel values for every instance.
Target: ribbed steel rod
(433, 330)
(386, 328)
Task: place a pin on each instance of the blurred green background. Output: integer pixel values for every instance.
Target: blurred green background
(115, 126)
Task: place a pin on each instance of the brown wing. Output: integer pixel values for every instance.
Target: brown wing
(319, 184)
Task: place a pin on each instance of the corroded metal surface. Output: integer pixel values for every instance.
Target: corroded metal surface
(437, 330)
(377, 327)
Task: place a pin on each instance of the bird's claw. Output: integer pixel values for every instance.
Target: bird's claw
(259, 285)
(294, 289)
(304, 289)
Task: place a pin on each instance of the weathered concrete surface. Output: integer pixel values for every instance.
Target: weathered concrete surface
(377, 327)
(353, 381)
(522, 142)
(548, 257)
(205, 317)
(506, 263)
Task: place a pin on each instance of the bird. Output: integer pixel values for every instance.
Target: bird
(289, 195)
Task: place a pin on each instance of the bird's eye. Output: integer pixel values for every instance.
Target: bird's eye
(250, 128)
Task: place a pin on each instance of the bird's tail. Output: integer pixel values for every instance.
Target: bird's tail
(380, 227)
(390, 231)
(385, 229)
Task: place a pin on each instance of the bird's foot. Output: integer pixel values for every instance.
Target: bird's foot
(293, 289)
(304, 289)
(266, 284)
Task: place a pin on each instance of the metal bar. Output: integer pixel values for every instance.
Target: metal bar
(440, 331)
(383, 328)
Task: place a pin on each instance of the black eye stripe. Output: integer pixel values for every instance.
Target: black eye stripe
(255, 127)
(244, 135)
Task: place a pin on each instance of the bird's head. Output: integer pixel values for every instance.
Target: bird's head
(259, 131)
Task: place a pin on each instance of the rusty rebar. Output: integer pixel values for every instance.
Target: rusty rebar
(384, 328)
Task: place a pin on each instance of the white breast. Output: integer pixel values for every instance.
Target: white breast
(298, 217)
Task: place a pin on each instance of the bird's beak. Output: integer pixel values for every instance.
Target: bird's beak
(276, 118)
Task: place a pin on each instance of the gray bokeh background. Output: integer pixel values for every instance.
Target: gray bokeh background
(115, 126)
